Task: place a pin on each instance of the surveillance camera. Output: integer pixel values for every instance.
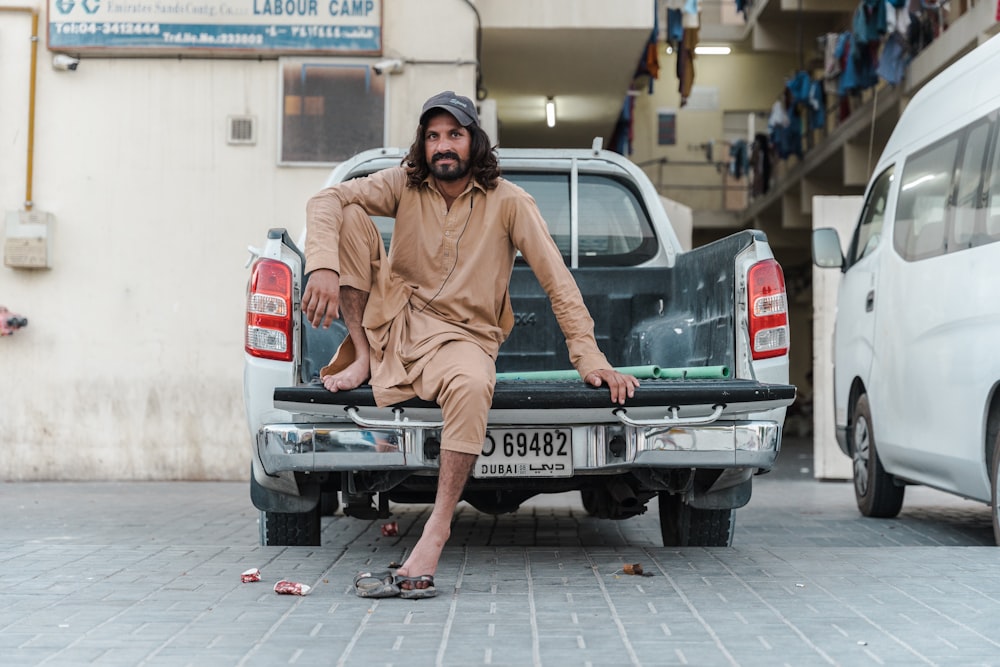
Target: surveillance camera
(64, 62)
(394, 66)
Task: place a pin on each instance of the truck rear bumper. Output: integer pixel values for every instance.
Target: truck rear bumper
(597, 449)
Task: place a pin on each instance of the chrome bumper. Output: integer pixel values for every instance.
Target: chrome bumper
(597, 449)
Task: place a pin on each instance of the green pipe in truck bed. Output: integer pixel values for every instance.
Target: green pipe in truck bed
(641, 372)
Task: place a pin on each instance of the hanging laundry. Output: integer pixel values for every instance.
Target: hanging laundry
(649, 64)
(831, 64)
(685, 63)
(869, 21)
(675, 28)
(817, 105)
(621, 137)
(691, 16)
(739, 160)
(760, 164)
(895, 57)
(897, 16)
(799, 85)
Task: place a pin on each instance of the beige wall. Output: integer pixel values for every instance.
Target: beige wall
(131, 365)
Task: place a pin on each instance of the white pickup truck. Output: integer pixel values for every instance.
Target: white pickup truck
(709, 328)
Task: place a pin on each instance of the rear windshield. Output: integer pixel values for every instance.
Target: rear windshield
(614, 228)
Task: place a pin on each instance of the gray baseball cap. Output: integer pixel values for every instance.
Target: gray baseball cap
(459, 106)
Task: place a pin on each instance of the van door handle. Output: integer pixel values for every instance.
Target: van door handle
(870, 302)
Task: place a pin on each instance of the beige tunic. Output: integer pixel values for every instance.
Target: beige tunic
(451, 268)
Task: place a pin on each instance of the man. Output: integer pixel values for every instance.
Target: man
(427, 319)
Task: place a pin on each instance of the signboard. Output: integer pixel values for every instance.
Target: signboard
(183, 27)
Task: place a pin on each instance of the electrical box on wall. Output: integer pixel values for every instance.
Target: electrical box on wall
(26, 244)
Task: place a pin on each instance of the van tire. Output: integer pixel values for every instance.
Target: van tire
(876, 491)
(684, 526)
(278, 529)
(995, 490)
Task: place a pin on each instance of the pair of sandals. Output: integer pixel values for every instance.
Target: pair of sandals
(388, 585)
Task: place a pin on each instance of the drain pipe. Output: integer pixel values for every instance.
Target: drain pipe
(29, 170)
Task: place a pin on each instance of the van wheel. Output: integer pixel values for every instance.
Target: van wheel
(278, 529)
(995, 490)
(875, 490)
(684, 526)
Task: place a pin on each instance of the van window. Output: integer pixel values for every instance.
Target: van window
(970, 180)
(869, 230)
(991, 221)
(924, 194)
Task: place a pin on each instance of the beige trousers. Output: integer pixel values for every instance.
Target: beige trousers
(458, 375)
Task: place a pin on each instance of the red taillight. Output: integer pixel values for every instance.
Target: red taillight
(269, 311)
(768, 310)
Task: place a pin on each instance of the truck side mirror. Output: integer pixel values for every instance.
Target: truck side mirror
(826, 252)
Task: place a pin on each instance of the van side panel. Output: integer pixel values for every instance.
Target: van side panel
(936, 283)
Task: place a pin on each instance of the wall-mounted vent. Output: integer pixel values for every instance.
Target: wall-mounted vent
(242, 130)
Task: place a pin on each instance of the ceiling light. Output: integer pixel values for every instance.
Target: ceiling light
(550, 112)
(712, 50)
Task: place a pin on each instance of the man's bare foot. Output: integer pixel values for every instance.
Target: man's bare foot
(427, 552)
(355, 375)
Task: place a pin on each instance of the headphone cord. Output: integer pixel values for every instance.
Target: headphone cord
(472, 201)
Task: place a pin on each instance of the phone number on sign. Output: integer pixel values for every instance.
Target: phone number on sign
(107, 28)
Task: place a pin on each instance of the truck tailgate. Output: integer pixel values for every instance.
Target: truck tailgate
(558, 401)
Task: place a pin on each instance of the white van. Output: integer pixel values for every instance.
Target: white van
(917, 341)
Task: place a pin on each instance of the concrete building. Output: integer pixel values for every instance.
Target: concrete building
(146, 145)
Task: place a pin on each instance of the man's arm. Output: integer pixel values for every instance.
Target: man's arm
(377, 194)
(531, 236)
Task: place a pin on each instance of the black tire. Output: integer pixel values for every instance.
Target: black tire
(875, 490)
(995, 490)
(684, 526)
(278, 529)
(329, 503)
(590, 501)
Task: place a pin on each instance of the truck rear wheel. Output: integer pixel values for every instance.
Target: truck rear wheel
(278, 529)
(684, 526)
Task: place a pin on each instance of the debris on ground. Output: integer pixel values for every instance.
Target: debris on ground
(291, 588)
(253, 574)
(632, 568)
(390, 529)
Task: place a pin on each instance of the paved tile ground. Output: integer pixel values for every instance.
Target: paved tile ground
(148, 574)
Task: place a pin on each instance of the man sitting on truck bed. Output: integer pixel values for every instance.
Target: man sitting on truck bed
(427, 319)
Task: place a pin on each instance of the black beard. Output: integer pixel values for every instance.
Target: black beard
(453, 172)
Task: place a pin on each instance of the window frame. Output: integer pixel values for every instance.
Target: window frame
(883, 181)
(646, 251)
(320, 62)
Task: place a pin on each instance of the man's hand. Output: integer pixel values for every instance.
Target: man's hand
(321, 300)
(621, 385)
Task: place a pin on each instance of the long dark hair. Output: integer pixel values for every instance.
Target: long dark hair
(482, 158)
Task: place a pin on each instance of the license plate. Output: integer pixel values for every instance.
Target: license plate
(526, 453)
